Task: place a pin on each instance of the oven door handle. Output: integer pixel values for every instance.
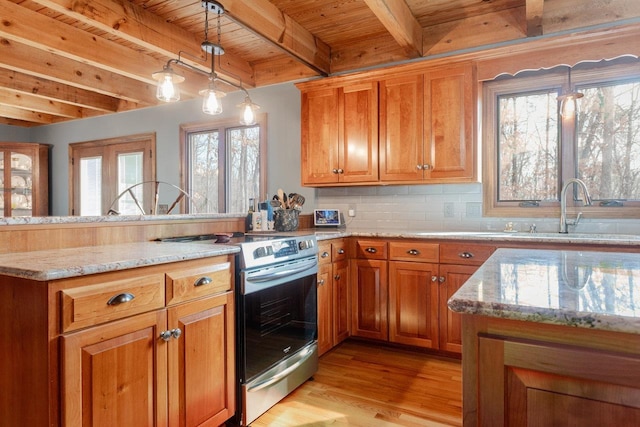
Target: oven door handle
(280, 273)
(280, 375)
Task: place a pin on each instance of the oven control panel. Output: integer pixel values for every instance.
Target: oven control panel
(262, 251)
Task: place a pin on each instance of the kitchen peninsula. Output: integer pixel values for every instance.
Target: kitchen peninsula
(551, 338)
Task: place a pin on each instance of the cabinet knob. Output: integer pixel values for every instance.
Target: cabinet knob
(166, 335)
(336, 277)
(176, 332)
(426, 167)
(340, 251)
(419, 167)
(321, 282)
(120, 298)
(413, 252)
(204, 280)
(441, 279)
(434, 278)
(334, 171)
(324, 254)
(371, 250)
(173, 333)
(465, 255)
(340, 170)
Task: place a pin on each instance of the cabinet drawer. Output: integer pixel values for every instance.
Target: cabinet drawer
(371, 249)
(115, 299)
(338, 250)
(324, 252)
(414, 251)
(195, 282)
(463, 253)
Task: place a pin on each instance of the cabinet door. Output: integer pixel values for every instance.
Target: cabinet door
(369, 299)
(448, 118)
(325, 309)
(319, 146)
(358, 143)
(453, 277)
(202, 362)
(115, 374)
(401, 128)
(413, 303)
(24, 179)
(533, 383)
(341, 302)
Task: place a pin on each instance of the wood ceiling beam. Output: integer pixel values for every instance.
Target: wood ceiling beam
(72, 43)
(267, 21)
(398, 19)
(55, 91)
(35, 103)
(143, 28)
(28, 60)
(534, 12)
(25, 115)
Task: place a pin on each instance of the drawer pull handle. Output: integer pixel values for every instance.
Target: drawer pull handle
(465, 255)
(324, 254)
(321, 282)
(120, 298)
(341, 251)
(371, 250)
(413, 252)
(204, 280)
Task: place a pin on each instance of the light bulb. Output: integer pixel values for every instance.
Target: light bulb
(211, 103)
(248, 110)
(167, 91)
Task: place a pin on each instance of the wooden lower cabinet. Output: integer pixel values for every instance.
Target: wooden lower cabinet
(341, 302)
(369, 298)
(325, 309)
(527, 374)
(450, 323)
(413, 303)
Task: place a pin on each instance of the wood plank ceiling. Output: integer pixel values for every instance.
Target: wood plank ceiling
(69, 59)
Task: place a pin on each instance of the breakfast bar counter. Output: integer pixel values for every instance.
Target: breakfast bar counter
(551, 338)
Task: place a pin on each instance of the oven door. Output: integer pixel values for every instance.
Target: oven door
(277, 314)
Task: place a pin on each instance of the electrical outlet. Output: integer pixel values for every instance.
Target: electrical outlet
(449, 210)
(352, 213)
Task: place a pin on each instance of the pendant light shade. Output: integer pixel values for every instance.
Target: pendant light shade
(168, 91)
(212, 100)
(248, 112)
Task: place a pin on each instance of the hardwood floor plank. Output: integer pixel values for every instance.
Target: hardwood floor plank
(370, 385)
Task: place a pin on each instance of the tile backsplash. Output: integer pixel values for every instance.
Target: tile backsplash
(442, 207)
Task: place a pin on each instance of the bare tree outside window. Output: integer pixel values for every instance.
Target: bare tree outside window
(224, 165)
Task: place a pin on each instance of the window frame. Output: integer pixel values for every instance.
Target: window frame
(553, 78)
(221, 126)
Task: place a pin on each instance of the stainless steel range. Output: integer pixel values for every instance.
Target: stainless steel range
(276, 309)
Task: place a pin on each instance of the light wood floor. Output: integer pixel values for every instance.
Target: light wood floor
(362, 384)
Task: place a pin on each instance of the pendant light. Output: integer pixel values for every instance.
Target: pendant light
(569, 100)
(168, 91)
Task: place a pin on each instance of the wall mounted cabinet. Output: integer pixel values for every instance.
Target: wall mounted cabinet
(24, 179)
(340, 135)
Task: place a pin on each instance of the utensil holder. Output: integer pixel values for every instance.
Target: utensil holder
(286, 219)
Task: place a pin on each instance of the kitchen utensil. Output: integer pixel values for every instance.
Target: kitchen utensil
(281, 198)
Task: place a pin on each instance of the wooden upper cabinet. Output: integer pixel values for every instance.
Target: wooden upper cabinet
(340, 135)
(426, 126)
(401, 128)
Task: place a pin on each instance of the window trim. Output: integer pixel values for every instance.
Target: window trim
(491, 90)
(221, 125)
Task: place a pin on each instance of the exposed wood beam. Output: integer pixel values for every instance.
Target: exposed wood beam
(136, 25)
(398, 19)
(19, 22)
(35, 103)
(18, 57)
(28, 116)
(55, 91)
(535, 9)
(266, 20)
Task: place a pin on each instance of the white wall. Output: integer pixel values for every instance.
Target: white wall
(281, 103)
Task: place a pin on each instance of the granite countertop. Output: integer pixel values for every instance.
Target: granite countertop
(64, 263)
(598, 290)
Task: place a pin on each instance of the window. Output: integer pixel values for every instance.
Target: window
(223, 165)
(530, 149)
(102, 170)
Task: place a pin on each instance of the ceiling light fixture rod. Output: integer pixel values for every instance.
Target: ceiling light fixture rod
(167, 78)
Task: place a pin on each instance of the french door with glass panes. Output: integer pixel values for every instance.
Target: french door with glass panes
(103, 170)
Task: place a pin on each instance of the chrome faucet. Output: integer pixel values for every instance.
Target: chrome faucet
(564, 222)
